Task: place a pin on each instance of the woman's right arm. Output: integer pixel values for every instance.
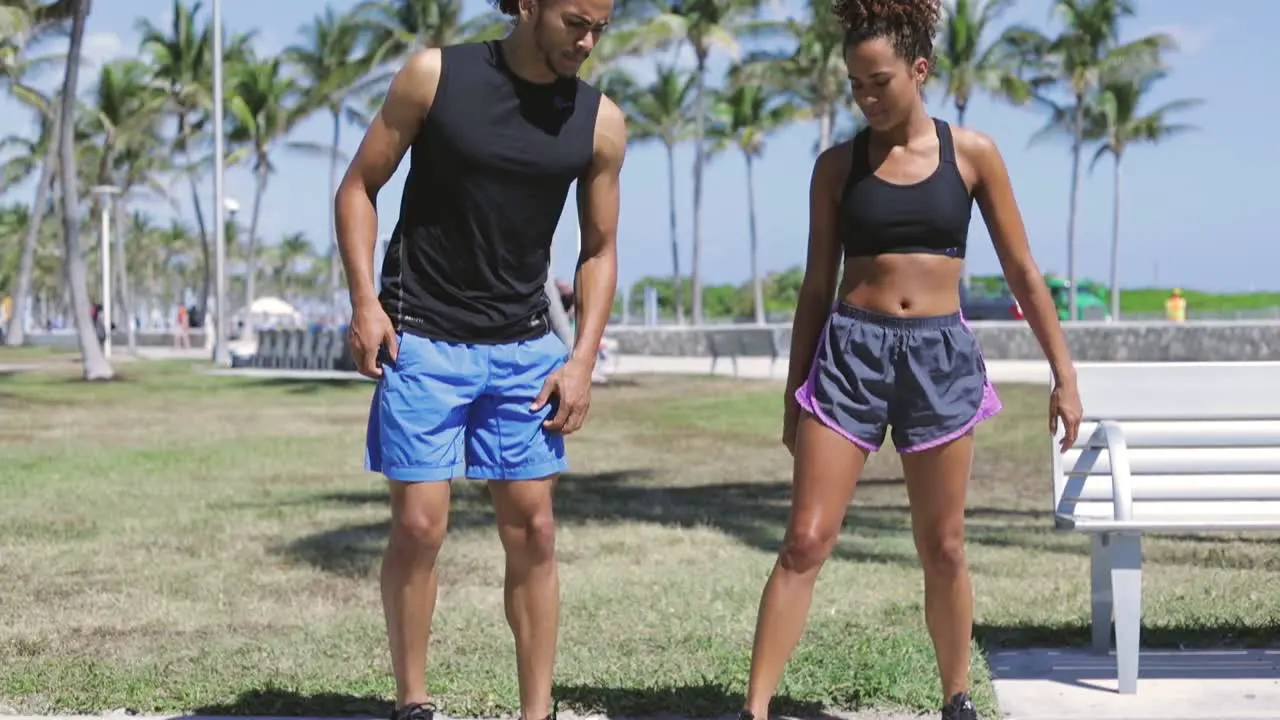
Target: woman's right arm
(822, 268)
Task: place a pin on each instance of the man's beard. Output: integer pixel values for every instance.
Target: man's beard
(548, 59)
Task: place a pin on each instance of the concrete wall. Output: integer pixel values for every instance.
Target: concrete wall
(1209, 340)
(67, 340)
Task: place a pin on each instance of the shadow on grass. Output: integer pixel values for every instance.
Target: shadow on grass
(753, 513)
(704, 700)
(1200, 635)
(288, 703)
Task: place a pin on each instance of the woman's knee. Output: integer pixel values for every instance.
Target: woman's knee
(942, 552)
(804, 551)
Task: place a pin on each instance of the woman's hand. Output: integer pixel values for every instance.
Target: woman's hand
(1064, 407)
(790, 421)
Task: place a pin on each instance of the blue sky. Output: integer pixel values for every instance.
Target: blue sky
(1196, 211)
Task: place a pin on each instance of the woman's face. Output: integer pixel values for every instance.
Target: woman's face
(885, 87)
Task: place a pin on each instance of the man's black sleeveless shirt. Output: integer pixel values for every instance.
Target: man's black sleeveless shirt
(489, 173)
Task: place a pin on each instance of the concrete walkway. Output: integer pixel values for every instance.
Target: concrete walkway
(1172, 685)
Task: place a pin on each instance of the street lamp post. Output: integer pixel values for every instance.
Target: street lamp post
(105, 195)
(221, 353)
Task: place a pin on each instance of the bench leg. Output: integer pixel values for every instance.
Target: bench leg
(1126, 584)
(1101, 605)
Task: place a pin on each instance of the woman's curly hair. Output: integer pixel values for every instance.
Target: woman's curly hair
(909, 24)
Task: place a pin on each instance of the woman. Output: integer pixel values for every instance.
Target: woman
(894, 352)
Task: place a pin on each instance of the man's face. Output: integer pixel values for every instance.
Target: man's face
(566, 31)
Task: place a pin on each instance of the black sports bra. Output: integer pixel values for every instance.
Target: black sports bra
(930, 216)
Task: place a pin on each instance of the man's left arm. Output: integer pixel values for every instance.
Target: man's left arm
(596, 278)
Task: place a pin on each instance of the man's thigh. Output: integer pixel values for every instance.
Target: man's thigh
(506, 439)
(418, 417)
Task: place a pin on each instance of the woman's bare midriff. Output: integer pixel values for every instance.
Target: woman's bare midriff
(906, 285)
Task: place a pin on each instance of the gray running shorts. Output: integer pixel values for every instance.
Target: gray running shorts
(924, 376)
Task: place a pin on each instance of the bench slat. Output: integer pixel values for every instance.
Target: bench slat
(1179, 487)
(1169, 524)
(1179, 390)
(1182, 461)
(1180, 509)
(1205, 433)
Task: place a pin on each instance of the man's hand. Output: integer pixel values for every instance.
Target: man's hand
(571, 384)
(370, 331)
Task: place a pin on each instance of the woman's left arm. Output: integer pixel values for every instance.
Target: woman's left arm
(994, 194)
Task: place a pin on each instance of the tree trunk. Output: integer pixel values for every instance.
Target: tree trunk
(1115, 242)
(757, 282)
(826, 121)
(17, 334)
(251, 258)
(335, 259)
(677, 286)
(1077, 144)
(206, 253)
(96, 366)
(122, 277)
(699, 161)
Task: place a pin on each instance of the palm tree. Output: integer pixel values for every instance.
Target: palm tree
(745, 116)
(812, 74)
(1072, 62)
(705, 25)
(292, 250)
(966, 64)
(398, 27)
(1118, 122)
(96, 366)
(42, 154)
(181, 60)
(24, 25)
(331, 64)
(263, 105)
(123, 125)
(661, 112)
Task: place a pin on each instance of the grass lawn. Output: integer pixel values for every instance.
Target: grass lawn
(175, 542)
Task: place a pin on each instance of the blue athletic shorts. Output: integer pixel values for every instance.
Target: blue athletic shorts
(444, 410)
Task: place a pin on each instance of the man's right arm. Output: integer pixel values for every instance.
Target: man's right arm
(389, 136)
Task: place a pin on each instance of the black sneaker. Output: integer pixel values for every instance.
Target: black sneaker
(745, 715)
(960, 708)
(414, 711)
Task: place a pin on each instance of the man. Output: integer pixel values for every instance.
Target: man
(470, 380)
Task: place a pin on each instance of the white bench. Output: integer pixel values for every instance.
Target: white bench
(735, 342)
(1186, 447)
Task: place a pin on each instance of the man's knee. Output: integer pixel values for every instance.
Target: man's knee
(419, 520)
(530, 534)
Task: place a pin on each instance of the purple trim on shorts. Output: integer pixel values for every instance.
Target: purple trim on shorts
(804, 396)
(989, 408)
